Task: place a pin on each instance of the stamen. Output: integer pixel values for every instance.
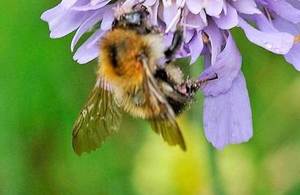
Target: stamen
(297, 39)
(267, 13)
(205, 38)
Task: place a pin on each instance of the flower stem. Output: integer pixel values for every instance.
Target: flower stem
(215, 173)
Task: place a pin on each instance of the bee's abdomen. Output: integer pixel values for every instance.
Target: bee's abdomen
(177, 106)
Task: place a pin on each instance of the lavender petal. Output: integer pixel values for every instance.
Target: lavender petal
(227, 117)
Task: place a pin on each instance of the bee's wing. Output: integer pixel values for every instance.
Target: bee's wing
(165, 123)
(169, 130)
(99, 118)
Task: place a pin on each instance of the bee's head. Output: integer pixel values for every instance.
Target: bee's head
(136, 18)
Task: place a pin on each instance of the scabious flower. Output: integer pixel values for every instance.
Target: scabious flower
(271, 24)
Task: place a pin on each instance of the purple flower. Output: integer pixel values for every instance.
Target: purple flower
(271, 24)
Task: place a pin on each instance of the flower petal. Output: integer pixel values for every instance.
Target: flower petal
(169, 13)
(276, 42)
(194, 21)
(293, 56)
(89, 50)
(227, 20)
(246, 7)
(195, 47)
(85, 26)
(285, 10)
(68, 3)
(216, 40)
(227, 117)
(214, 7)
(67, 23)
(91, 6)
(53, 13)
(108, 18)
(286, 26)
(150, 2)
(194, 6)
(227, 67)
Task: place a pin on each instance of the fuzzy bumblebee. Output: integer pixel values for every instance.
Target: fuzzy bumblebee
(130, 80)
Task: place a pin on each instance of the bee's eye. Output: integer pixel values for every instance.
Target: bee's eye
(133, 18)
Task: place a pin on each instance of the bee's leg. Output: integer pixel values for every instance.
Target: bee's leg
(189, 88)
(175, 45)
(200, 83)
(177, 36)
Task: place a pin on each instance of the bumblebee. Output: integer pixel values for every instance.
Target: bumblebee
(130, 79)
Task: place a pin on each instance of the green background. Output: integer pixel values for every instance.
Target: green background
(42, 90)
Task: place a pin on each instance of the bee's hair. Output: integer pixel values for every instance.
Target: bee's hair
(126, 7)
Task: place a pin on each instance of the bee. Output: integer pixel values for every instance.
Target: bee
(130, 79)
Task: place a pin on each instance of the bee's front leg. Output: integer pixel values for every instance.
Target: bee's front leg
(175, 45)
(190, 87)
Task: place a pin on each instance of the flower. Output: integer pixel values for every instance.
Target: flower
(271, 24)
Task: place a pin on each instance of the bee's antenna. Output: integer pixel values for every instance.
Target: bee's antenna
(138, 3)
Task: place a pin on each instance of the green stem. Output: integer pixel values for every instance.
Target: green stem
(215, 174)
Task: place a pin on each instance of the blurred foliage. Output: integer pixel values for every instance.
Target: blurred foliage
(42, 91)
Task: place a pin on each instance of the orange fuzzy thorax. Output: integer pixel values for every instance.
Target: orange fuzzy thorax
(119, 58)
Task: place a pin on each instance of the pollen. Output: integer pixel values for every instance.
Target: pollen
(297, 39)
